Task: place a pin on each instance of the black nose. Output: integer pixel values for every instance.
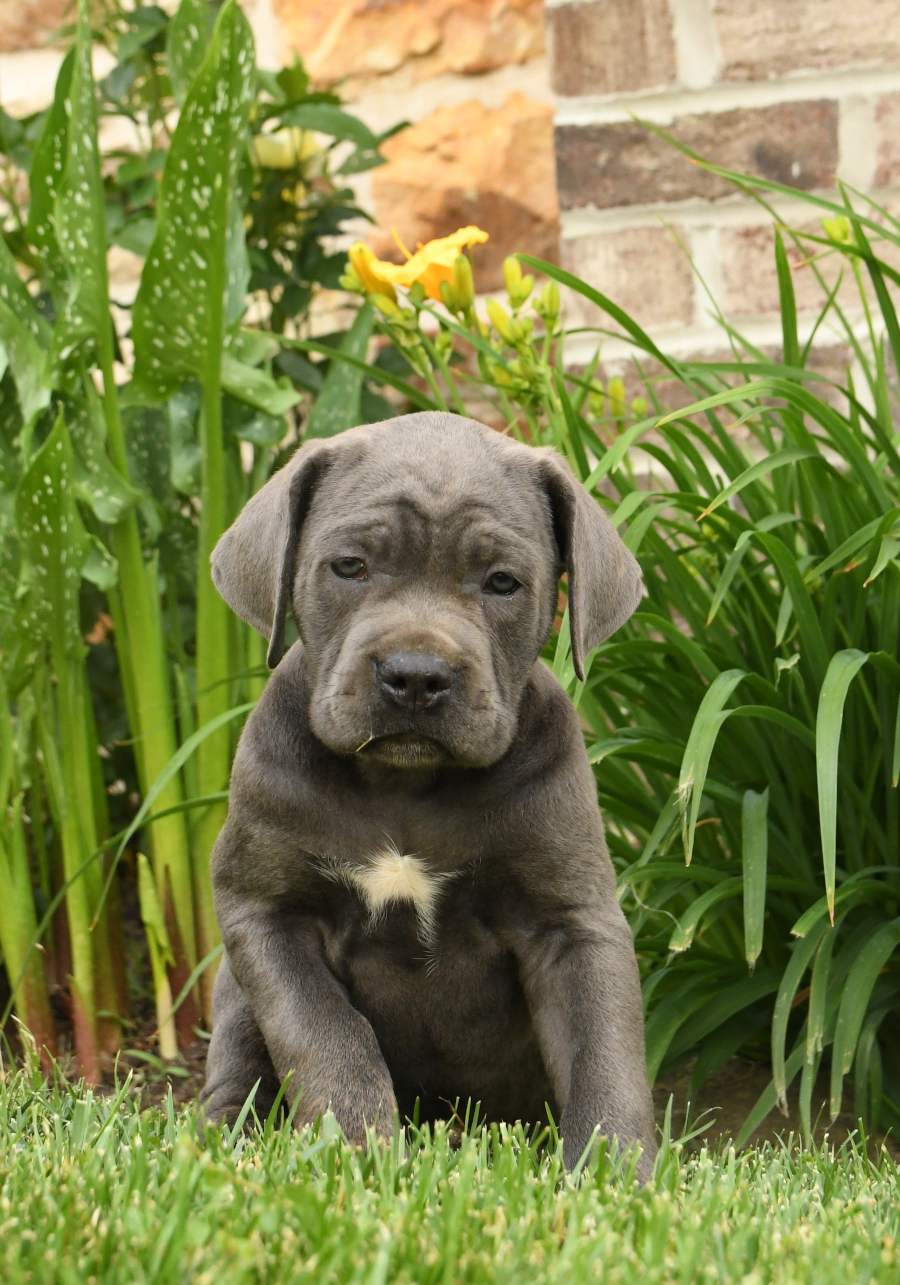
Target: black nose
(413, 680)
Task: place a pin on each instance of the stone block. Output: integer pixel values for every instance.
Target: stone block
(467, 164)
(760, 39)
(643, 270)
(26, 24)
(366, 39)
(625, 164)
(610, 46)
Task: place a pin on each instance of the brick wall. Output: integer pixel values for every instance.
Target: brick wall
(800, 91)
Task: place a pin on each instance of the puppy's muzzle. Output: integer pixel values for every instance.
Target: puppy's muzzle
(414, 680)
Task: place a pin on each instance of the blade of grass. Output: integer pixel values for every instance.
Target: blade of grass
(843, 668)
(872, 957)
(754, 859)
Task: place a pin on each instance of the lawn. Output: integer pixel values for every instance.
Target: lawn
(95, 1189)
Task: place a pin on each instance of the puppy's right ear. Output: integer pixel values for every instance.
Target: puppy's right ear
(253, 564)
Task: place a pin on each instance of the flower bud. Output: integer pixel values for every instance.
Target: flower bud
(499, 320)
(388, 307)
(639, 407)
(838, 229)
(443, 342)
(550, 300)
(616, 392)
(512, 274)
(448, 296)
(463, 283)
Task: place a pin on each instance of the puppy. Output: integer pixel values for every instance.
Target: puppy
(413, 885)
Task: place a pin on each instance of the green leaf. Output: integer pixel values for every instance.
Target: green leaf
(698, 751)
(721, 1007)
(256, 387)
(797, 965)
(683, 935)
(100, 567)
(28, 363)
(844, 667)
(14, 294)
(855, 1000)
(45, 178)
(54, 548)
(754, 859)
(807, 618)
(97, 483)
(778, 460)
(888, 552)
(818, 993)
(668, 1015)
(338, 124)
(80, 212)
(178, 318)
(790, 344)
(868, 889)
(337, 406)
(152, 916)
(378, 374)
(185, 44)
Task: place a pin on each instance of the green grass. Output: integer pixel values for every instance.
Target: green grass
(95, 1190)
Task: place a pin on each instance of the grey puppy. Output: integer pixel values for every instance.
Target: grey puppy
(413, 885)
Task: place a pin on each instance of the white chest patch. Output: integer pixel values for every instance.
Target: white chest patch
(388, 876)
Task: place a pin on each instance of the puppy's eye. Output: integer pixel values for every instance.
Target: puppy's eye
(349, 568)
(502, 582)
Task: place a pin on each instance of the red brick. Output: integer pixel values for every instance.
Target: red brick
(643, 270)
(760, 39)
(887, 138)
(610, 46)
(626, 164)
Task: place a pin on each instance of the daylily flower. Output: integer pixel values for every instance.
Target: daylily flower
(430, 265)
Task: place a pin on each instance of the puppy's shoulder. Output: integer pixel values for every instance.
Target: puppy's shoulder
(278, 757)
(549, 733)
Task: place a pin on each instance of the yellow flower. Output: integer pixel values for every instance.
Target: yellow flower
(430, 265)
(284, 149)
(369, 270)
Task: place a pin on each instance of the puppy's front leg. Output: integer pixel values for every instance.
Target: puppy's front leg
(308, 1023)
(582, 987)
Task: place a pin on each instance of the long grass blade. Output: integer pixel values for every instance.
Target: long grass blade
(868, 964)
(754, 860)
(844, 667)
(698, 751)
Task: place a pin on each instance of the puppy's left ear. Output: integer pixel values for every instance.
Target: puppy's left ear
(604, 578)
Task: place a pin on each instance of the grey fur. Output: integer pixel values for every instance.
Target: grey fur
(519, 986)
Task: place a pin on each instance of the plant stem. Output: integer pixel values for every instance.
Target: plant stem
(213, 696)
(143, 660)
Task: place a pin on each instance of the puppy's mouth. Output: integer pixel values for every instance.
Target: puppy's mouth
(406, 750)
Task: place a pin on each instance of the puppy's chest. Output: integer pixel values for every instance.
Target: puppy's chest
(391, 884)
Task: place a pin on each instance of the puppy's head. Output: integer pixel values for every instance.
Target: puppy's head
(421, 559)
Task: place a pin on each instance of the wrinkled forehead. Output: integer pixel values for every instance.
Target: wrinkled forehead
(438, 499)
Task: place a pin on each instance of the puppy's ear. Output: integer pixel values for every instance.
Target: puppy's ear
(253, 564)
(604, 578)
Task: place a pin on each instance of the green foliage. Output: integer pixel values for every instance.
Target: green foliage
(744, 724)
(96, 1188)
(118, 535)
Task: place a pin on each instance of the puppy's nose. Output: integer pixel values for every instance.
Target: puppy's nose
(414, 680)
